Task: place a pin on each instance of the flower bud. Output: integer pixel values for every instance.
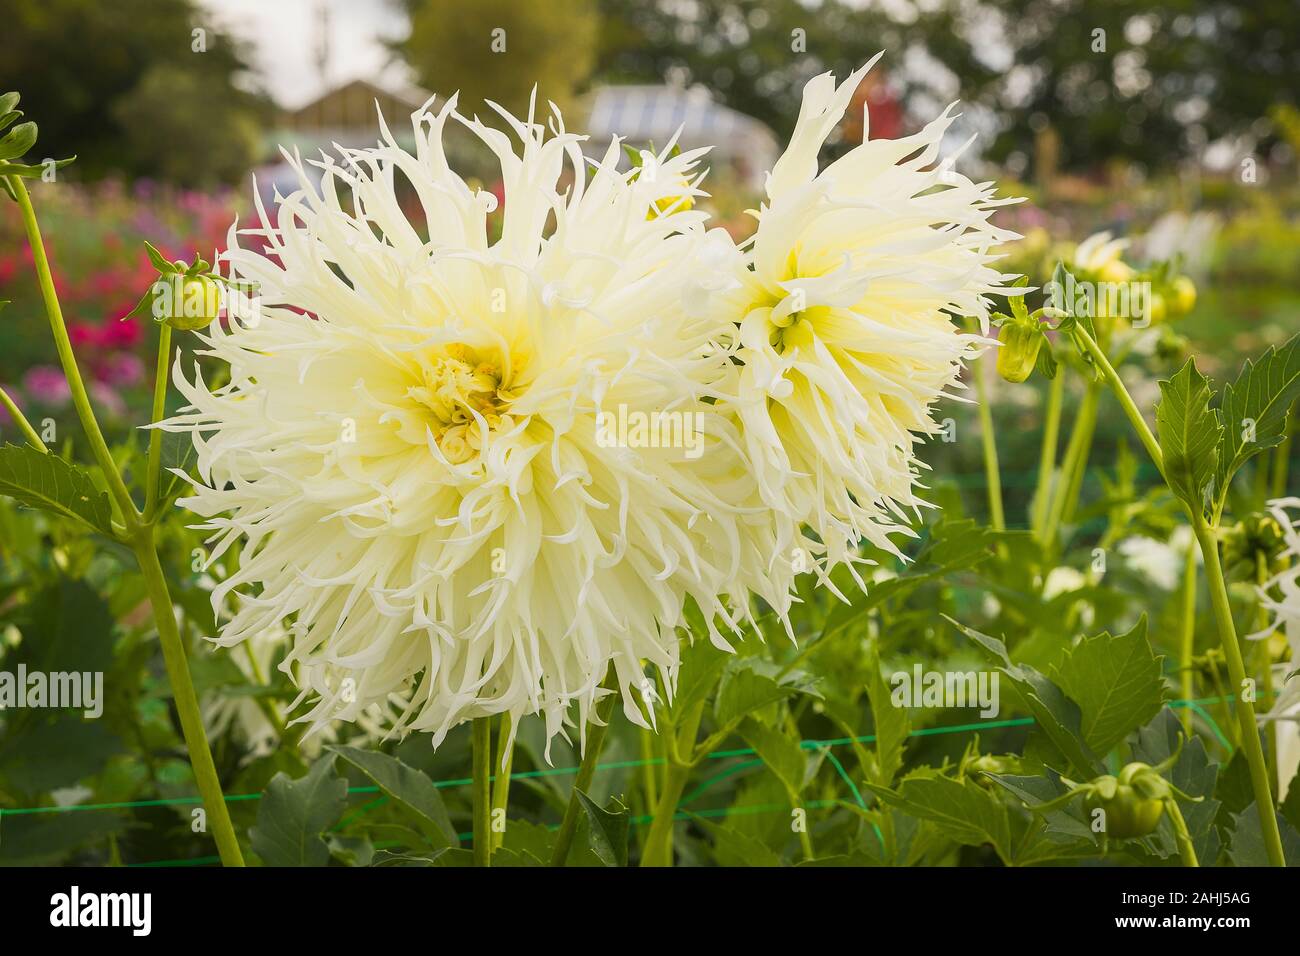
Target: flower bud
(187, 302)
(1020, 344)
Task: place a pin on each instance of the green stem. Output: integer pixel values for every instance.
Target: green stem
(80, 400)
(1088, 431)
(482, 797)
(1186, 850)
(1075, 452)
(1222, 612)
(596, 731)
(187, 702)
(154, 467)
(21, 421)
(1047, 456)
(1187, 644)
(659, 842)
(993, 479)
(505, 759)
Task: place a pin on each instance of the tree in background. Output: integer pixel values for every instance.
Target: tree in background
(1158, 80)
(498, 49)
(123, 86)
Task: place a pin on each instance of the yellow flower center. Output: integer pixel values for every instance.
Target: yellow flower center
(467, 394)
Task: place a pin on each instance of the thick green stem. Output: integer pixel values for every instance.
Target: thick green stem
(187, 702)
(505, 759)
(21, 421)
(596, 732)
(80, 400)
(1047, 455)
(993, 478)
(482, 797)
(1187, 644)
(153, 469)
(659, 843)
(1186, 850)
(1222, 612)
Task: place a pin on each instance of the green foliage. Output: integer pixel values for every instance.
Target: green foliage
(499, 49)
(295, 813)
(48, 482)
(1189, 433)
(122, 86)
(1255, 408)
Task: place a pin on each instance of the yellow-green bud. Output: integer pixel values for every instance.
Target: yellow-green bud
(1183, 296)
(1019, 352)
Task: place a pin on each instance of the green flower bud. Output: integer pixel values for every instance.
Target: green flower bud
(1127, 813)
(187, 302)
(1020, 344)
(1255, 538)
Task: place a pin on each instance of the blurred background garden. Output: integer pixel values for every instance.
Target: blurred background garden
(1173, 124)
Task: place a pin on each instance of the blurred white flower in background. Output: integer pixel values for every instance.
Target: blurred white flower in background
(1160, 562)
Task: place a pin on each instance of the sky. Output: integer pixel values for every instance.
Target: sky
(283, 37)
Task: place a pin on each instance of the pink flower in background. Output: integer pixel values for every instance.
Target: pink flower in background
(46, 385)
(121, 369)
(106, 399)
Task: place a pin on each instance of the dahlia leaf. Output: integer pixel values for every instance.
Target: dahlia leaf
(46, 481)
(410, 788)
(1117, 683)
(782, 755)
(1255, 408)
(294, 814)
(1189, 433)
(744, 690)
(891, 725)
(606, 829)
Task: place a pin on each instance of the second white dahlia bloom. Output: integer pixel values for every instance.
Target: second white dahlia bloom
(845, 320)
(423, 446)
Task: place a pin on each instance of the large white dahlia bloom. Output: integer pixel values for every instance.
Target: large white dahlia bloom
(423, 445)
(845, 334)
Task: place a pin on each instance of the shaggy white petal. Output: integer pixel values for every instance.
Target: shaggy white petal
(845, 334)
(407, 449)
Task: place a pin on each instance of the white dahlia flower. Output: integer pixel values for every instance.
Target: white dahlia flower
(1281, 596)
(845, 331)
(469, 476)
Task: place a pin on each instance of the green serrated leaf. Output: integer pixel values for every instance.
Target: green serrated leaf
(733, 848)
(407, 786)
(606, 829)
(783, 756)
(1117, 683)
(48, 482)
(744, 690)
(1255, 408)
(1056, 715)
(1246, 846)
(891, 724)
(294, 814)
(1189, 433)
(963, 810)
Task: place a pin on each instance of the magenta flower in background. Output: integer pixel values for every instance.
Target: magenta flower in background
(46, 386)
